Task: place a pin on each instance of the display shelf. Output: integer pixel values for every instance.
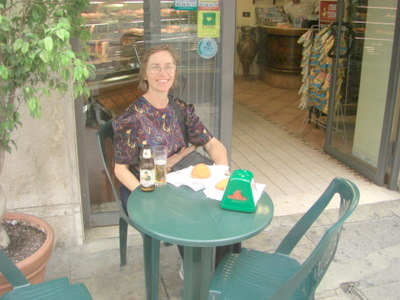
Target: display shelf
(117, 29)
(378, 20)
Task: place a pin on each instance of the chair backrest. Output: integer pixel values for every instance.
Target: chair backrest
(311, 272)
(105, 138)
(11, 272)
(54, 289)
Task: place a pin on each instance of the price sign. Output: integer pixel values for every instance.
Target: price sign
(208, 5)
(185, 4)
(327, 11)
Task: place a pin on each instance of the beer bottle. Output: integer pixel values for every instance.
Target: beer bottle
(147, 171)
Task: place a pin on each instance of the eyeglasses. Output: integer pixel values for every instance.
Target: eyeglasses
(156, 69)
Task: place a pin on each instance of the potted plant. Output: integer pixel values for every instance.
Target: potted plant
(36, 58)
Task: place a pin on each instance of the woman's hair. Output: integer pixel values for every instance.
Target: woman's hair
(143, 84)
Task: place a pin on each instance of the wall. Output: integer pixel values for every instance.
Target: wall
(41, 176)
(248, 6)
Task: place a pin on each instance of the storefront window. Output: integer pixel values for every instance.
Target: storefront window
(121, 31)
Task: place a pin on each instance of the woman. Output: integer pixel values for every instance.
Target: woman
(152, 120)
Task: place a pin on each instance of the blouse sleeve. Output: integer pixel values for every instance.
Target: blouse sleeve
(198, 133)
(126, 148)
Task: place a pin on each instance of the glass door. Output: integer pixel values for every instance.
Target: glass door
(121, 32)
(360, 120)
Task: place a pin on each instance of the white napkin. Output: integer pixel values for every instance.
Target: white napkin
(184, 177)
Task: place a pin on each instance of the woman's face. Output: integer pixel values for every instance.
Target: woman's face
(160, 72)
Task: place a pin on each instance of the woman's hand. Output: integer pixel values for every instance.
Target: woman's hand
(175, 158)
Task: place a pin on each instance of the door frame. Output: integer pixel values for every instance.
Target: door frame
(393, 183)
(389, 151)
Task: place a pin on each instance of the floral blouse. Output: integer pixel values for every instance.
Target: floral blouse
(141, 123)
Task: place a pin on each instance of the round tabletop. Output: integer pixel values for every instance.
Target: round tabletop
(182, 216)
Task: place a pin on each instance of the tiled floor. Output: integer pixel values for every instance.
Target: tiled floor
(268, 140)
(279, 106)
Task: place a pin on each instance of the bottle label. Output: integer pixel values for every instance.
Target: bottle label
(147, 178)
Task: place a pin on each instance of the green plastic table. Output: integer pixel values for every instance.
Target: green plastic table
(182, 216)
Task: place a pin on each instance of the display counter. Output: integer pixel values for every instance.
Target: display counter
(280, 56)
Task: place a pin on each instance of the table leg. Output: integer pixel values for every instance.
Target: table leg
(198, 266)
(151, 252)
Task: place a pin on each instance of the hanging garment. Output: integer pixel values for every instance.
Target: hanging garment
(316, 68)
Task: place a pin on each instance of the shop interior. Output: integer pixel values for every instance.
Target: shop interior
(276, 73)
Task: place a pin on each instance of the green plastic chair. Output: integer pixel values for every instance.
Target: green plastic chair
(103, 134)
(57, 289)
(256, 275)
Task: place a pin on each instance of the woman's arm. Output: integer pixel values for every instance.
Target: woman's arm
(217, 152)
(126, 177)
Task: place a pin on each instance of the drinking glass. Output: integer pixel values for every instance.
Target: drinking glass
(160, 160)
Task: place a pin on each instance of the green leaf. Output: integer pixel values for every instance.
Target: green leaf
(32, 104)
(17, 44)
(25, 47)
(78, 73)
(4, 72)
(64, 60)
(4, 26)
(69, 53)
(62, 34)
(32, 54)
(34, 107)
(86, 73)
(44, 55)
(48, 43)
(64, 23)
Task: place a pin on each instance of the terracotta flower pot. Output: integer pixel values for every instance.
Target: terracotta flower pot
(34, 266)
